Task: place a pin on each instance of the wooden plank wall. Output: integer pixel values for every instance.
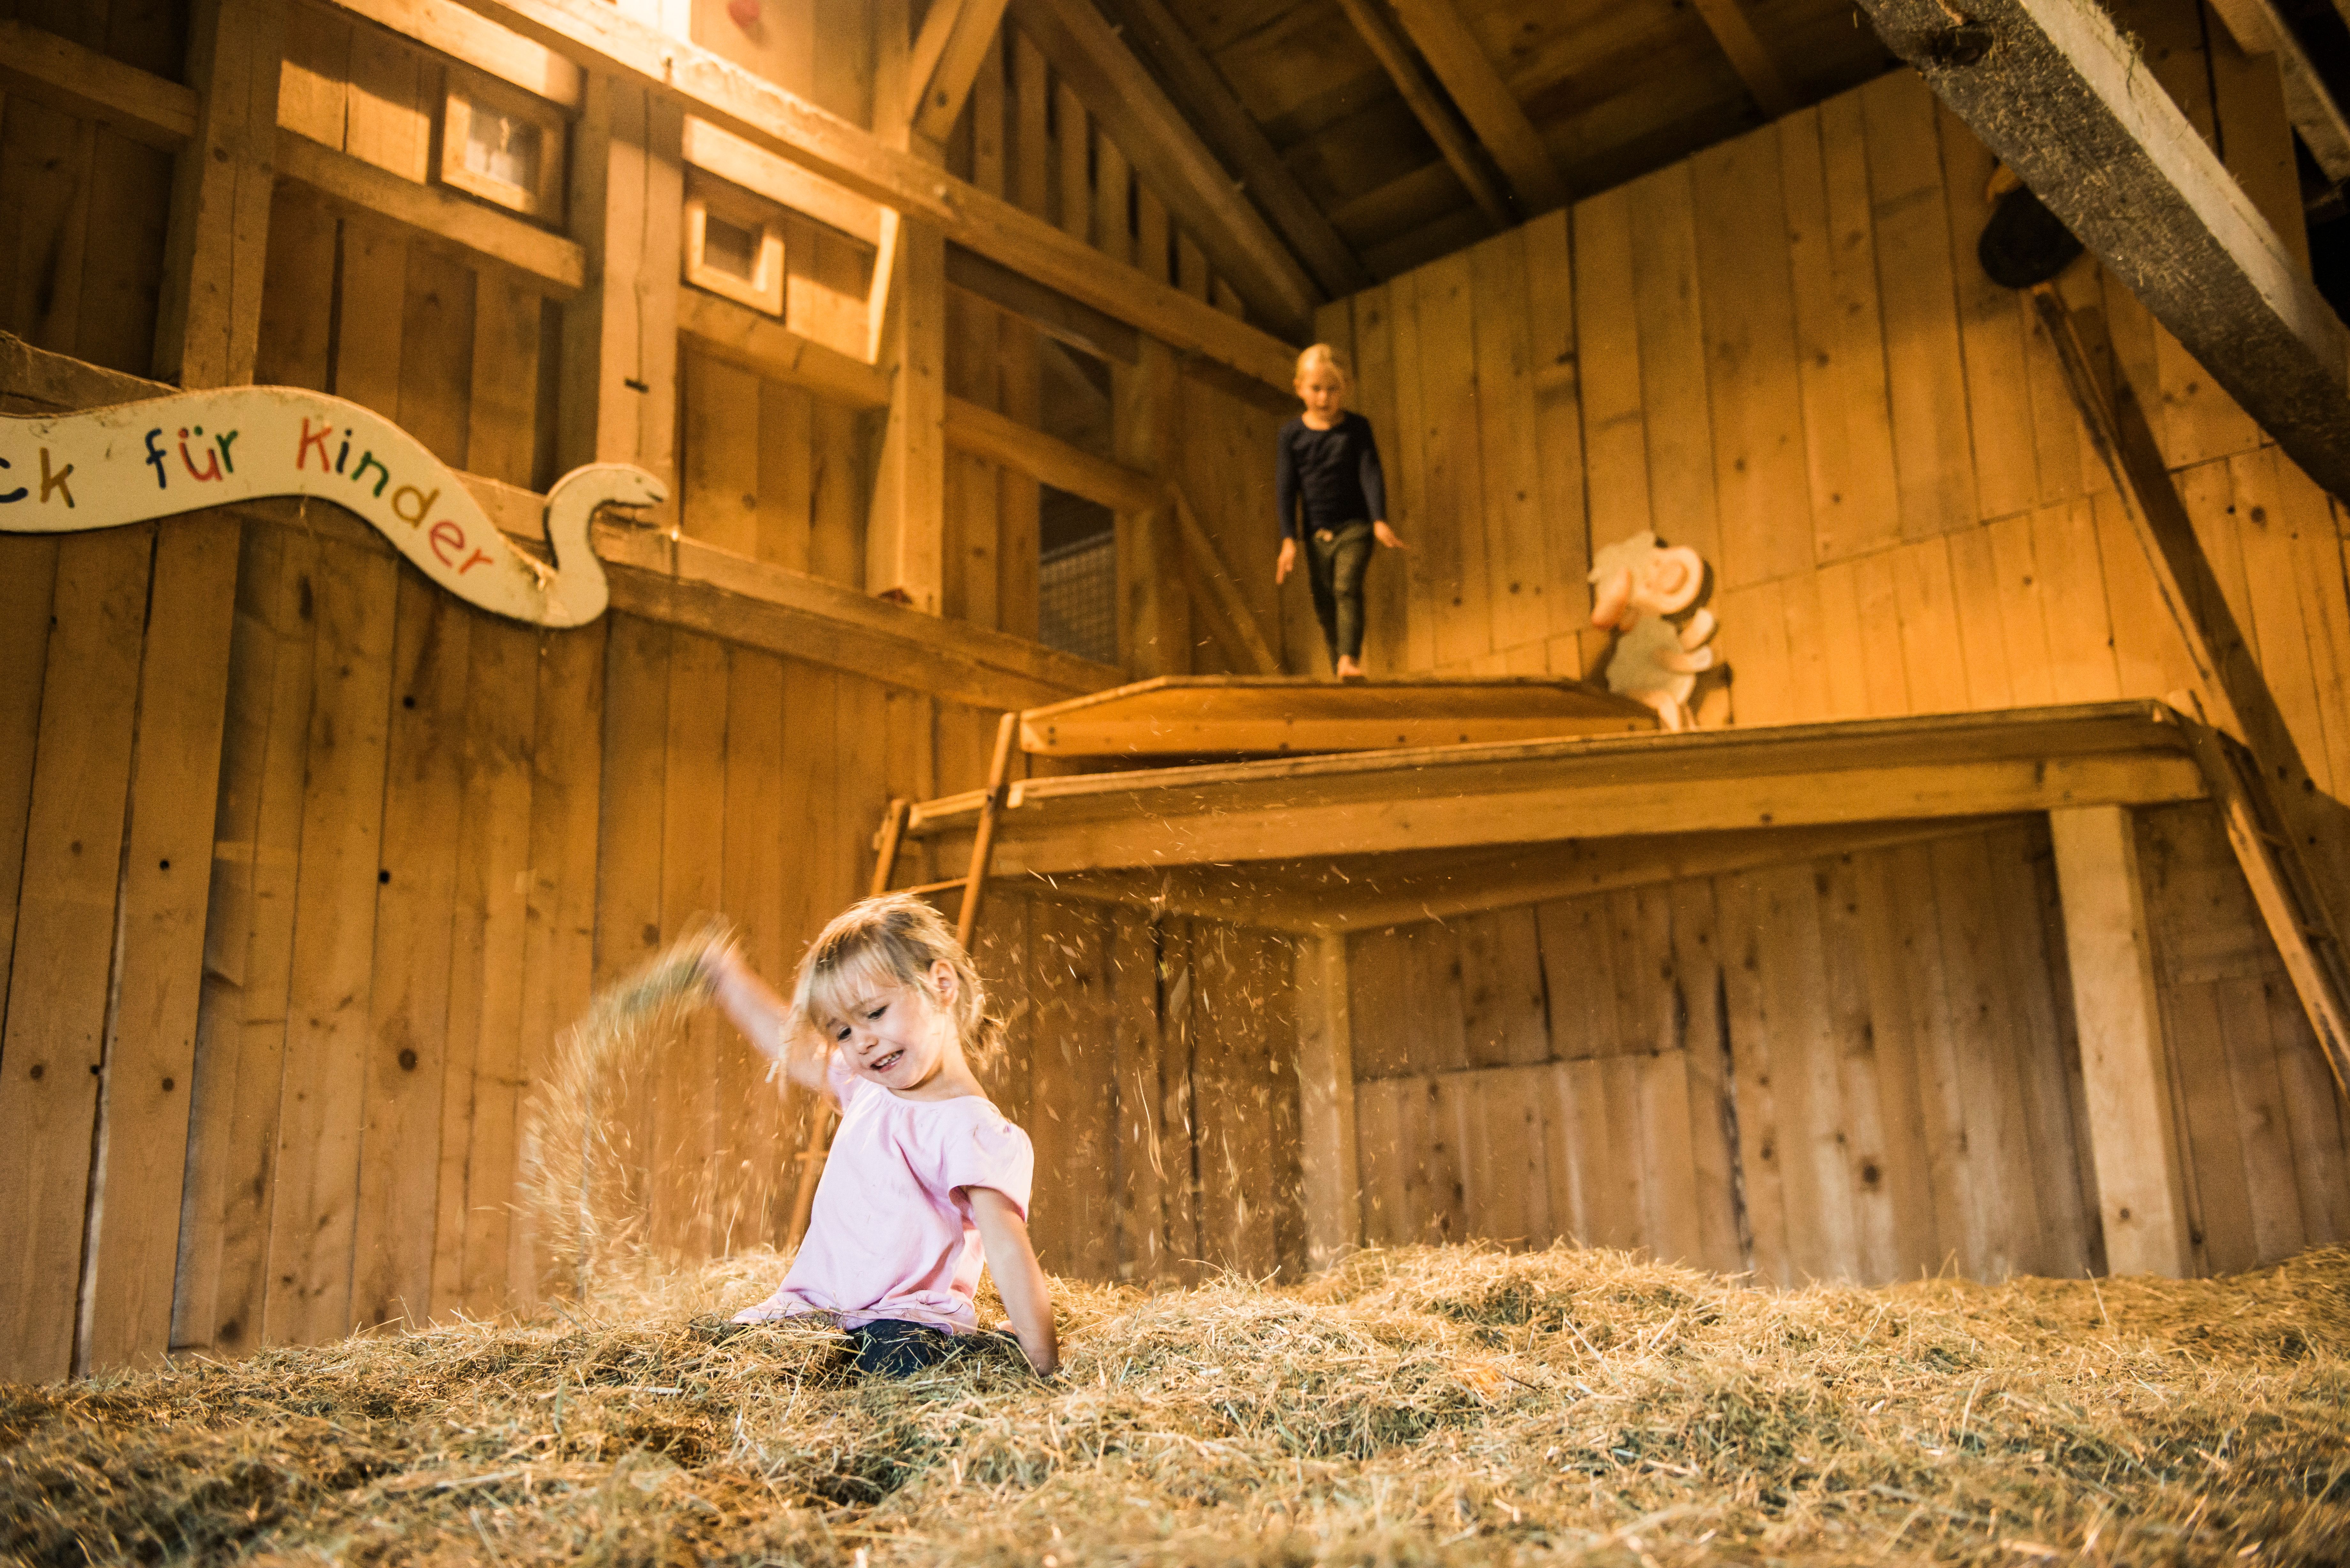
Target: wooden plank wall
(1153, 1063)
(429, 833)
(2266, 1136)
(81, 255)
(1783, 352)
(1858, 1067)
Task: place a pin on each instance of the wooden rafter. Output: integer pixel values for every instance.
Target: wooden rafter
(1493, 110)
(595, 35)
(1734, 29)
(948, 53)
(1201, 92)
(1467, 161)
(2258, 27)
(2062, 96)
(1167, 153)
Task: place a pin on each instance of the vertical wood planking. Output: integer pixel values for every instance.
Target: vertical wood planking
(280, 571)
(1755, 397)
(401, 1144)
(1519, 570)
(317, 1177)
(1557, 435)
(1665, 307)
(1924, 357)
(55, 1041)
(1452, 523)
(491, 933)
(559, 915)
(1839, 330)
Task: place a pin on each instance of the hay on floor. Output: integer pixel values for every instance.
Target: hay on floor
(1434, 1406)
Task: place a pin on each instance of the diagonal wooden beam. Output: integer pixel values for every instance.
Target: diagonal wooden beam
(1467, 161)
(595, 35)
(1734, 29)
(1129, 103)
(2260, 27)
(2061, 95)
(1201, 92)
(1493, 110)
(948, 53)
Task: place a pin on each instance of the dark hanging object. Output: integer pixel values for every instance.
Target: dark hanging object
(2024, 242)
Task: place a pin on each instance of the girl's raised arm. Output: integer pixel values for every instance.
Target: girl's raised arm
(762, 1015)
(1004, 1236)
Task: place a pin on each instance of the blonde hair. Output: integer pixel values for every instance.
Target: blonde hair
(1323, 354)
(892, 940)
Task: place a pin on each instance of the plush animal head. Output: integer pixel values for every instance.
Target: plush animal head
(1638, 576)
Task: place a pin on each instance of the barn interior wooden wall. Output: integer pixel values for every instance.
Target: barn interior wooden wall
(312, 863)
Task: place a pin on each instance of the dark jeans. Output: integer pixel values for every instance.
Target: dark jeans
(1335, 560)
(896, 1348)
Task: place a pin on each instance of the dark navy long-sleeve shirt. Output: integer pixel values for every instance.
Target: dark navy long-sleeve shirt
(1335, 471)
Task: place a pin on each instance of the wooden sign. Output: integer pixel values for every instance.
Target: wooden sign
(106, 467)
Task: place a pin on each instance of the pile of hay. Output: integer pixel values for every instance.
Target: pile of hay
(1442, 1406)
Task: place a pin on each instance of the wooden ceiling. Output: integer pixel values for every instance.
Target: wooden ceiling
(1612, 88)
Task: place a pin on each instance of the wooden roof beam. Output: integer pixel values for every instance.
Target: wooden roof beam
(2261, 27)
(1493, 110)
(1200, 91)
(2054, 90)
(598, 36)
(1734, 29)
(948, 55)
(1466, 159)
(1168, 155)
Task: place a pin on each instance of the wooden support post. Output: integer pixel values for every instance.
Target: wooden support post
(884, 844)
(208, 320)
(627, 199)
(904, 552)
(1325, 1103)
(1154, 617)
(2132, 1134)
(983, 842)
(905, 540)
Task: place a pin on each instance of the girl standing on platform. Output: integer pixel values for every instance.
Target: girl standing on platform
(925, 1175)
(1328, 460)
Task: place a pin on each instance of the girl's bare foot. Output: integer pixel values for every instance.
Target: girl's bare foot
(1349, 669)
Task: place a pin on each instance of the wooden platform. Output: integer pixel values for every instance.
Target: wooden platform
(1329, 842)
(1291, 715)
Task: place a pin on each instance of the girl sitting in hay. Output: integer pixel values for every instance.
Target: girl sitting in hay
(925, 1175)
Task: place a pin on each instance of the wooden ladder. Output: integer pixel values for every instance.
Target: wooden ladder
(2285, 889)
(972, 883)
(2260, 828)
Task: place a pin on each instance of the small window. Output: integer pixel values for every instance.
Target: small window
(502, 145)
(734, 246)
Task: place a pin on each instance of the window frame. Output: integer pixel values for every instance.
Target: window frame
(763, 290)
(463, 89)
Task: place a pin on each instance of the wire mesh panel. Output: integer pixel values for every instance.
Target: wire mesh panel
(1076, 609)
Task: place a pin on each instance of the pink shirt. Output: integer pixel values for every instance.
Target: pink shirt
(891, 1233)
